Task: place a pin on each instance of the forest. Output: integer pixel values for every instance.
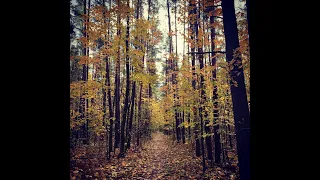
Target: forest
(159, 89)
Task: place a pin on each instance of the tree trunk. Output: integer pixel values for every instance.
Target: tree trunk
(228, 115)
(169, 25)
(117, 86)
(87, 75)
(126, 101)
(201, 86)
(109, 103)
(194, 108)
(238, 92)
(129, 135)
(149, 85)
(189, 128)
(107, 95)
(104, 102)
(177, 128)
(183, 129)
(174, 78)
(82, 99)
(139, 114)
(230, 137)
(217, 144)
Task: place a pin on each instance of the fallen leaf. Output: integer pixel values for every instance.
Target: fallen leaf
(123, 163)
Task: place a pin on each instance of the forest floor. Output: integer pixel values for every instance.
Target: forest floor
(159, 158)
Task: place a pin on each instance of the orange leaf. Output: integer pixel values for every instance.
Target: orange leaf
(123, 163)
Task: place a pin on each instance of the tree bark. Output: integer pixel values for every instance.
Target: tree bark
(107, 95)
(126, 101)
(129, 135)
(189, 128)
(183, 129)
(217, 144)
(194, 108)
(238, 92)
(139, 114)
(201, 87)
(117, 85)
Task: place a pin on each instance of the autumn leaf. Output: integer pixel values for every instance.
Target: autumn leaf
(123, 163)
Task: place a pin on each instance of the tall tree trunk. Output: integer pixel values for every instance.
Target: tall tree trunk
(104, 102)
(110, 103)
(201, 85)
(174, 77)
(107, 94)
(238, 92)
(138, 114)
(140, 123)
(87, 75)
(217, 144)
(203, 99)
(167, 77)
(110, 106)
(117, 85)
(184, 60)
(171, 65)
(149, 85)
(194, 108)
(188, 105)
(82, 99)
(126, 101)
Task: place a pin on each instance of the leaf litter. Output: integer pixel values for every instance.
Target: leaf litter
(158, 158)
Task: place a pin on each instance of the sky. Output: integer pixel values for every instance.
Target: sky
(163, 26)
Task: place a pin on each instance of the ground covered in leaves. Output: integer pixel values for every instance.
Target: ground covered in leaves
(159, 158)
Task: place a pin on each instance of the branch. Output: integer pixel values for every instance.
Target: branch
(207, 52)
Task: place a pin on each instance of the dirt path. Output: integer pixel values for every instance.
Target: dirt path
(164, 160)
(159, 158)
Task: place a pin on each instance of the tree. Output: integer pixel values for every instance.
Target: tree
(215, 90)
(201, 85)
(139, 11)
(126, 101)
(192, 13)
(174, 75)
(117, 81)
(129, 134)
(201, 93)
(237, 88)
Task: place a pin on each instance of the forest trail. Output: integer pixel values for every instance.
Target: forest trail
(159, 158)
(163, 160)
